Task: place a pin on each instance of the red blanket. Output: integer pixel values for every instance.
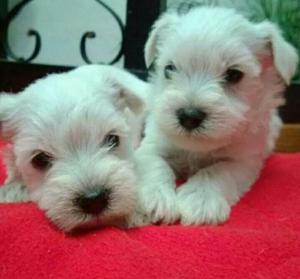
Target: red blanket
(261, 240)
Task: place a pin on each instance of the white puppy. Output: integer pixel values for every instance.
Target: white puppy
(216, 87)
(71, 144)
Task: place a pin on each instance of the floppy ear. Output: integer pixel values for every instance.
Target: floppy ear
(126, 98)
(160, 30)
(285, 57)
(8, 104)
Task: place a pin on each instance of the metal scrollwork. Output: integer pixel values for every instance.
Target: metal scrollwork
(38, 42)
(31, 33)
(92, 35)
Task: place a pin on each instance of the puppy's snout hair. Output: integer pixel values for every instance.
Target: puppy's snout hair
(72, 138)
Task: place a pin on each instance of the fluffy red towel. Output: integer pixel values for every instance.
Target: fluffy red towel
(261, 240)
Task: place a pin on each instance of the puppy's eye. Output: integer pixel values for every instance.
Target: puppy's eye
(42, 161)
(169, 69)
(233, 76)
(112, 140)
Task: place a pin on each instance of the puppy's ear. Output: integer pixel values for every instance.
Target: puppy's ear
(285, 57)
(160, 30)
(126, 98)
(8, 103)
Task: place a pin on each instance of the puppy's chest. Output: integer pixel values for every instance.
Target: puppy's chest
(185, 164)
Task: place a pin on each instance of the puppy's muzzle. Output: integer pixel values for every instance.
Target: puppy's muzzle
(190, 118)
(93, 202)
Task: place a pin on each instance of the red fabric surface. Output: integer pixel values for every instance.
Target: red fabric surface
(261, 240)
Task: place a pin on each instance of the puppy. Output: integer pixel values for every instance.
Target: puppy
(216, 86)
(70, 148)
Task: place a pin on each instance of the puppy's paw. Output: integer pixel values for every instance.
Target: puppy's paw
(13, 192)
(159, 203)
(200, 204)
(138, 218)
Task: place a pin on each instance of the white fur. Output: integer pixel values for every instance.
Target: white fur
(68, 115)
(223, 158)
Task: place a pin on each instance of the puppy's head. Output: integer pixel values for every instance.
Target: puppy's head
(216, 73)
(71, 140)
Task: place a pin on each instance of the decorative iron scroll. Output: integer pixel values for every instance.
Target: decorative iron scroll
(33, 33)
(15, 11)
(91, 35)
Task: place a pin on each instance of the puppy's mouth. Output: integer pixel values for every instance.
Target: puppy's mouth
(193, 134)
(72, 219)
(97, 222)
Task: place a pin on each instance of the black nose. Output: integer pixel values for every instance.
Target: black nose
(93, 202)
(190, 118)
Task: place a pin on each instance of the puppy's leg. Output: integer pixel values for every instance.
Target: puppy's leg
(206, 197)
(13, 192)
(156, 187)
(275, 127)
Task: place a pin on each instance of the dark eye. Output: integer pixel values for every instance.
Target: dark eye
(112, 140)
(42, 161)
(169, 69)
(233, 76)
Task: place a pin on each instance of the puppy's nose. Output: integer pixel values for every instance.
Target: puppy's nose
(93, 202)
(190, 118)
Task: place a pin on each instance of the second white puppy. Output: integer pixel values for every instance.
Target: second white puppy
(216, 86)
(71, 141)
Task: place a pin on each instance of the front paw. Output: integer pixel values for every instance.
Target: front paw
(201, 204)
(13, 192)
(159, 203)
